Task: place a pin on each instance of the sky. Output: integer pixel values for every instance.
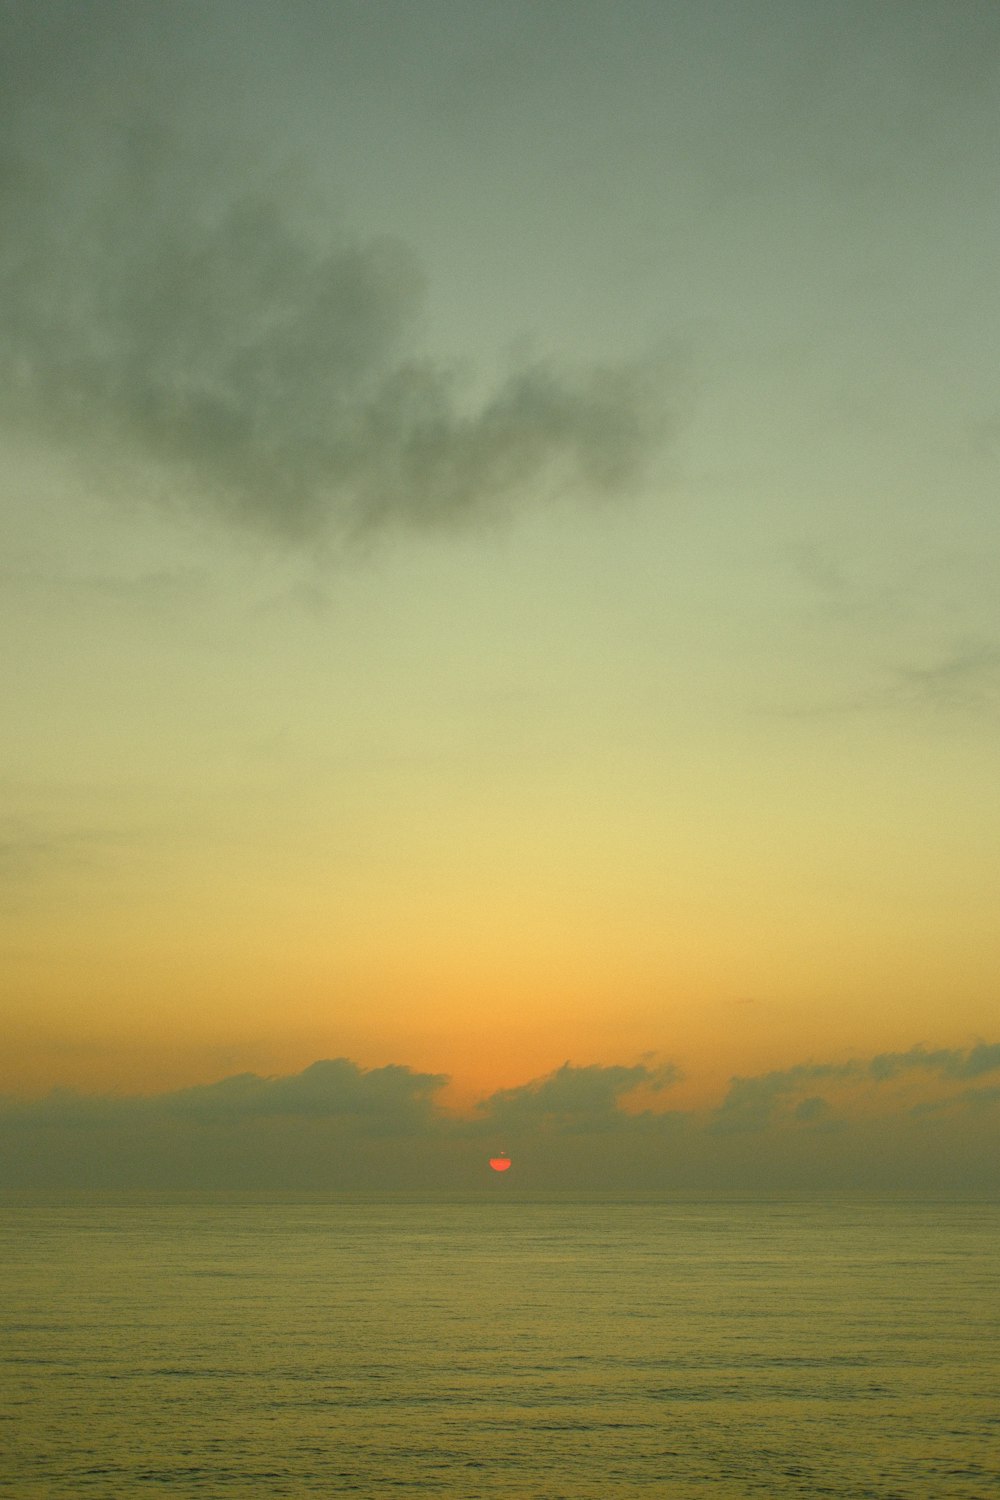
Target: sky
(499, 592)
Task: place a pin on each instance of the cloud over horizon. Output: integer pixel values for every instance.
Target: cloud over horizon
(383, 1100)
(755, 1102)
(577, 1099)
(337, 1124)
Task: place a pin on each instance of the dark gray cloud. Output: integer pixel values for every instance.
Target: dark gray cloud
(980, 1099)
(756, 1103)
(813, 1111)
(576, 1099)
(974, 1062)
(339, 1126)
(752, 1103)
(376, 1101)
(172, 316)
(333, 1125)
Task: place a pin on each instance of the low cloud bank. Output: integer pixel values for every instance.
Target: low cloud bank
(754, 1103)
(338, 1126)
(379, 1101)
(578, 1100)
(979, 1060)
(393, 1100)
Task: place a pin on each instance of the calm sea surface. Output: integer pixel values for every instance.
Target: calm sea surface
(500, 1348)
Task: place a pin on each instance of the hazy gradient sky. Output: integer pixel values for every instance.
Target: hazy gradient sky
(500, 568)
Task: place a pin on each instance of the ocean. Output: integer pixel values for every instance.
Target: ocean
(499, 1347)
